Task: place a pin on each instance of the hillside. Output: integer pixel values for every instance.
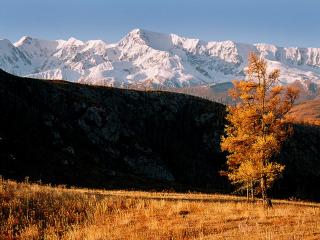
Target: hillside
(308, 112)
(33, 211)
(152, 59)
(95, 136)
(62, 132)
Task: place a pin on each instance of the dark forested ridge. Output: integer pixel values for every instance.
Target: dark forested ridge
(68, 133)
(95, 136)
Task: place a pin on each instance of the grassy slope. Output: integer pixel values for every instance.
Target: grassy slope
(32, 211)
(308, 112)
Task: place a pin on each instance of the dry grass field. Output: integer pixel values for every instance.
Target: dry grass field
(307, 112)
(33, 211)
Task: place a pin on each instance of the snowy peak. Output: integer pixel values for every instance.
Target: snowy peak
(96, 43)
(186, 43)
(24, 40)
(154, 40)
(144, 57)
(34, 47)
(73, 42)
(291, 55)
(12, 59)
(157, 41)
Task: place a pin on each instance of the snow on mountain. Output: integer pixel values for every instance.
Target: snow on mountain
(149, 58)
(12, 59)
(69, 74)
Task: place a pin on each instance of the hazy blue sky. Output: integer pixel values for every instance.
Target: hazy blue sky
(281, 22)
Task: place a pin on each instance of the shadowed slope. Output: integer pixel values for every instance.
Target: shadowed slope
(84, 135)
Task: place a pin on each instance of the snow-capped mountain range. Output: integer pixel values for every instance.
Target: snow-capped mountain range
(149, 58)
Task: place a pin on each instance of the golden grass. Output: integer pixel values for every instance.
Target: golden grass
(32, 211)
(306, 112)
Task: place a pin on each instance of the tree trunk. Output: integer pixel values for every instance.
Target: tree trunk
(252, 197)
(263, 188)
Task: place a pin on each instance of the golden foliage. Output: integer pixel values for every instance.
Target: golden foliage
(256, 126)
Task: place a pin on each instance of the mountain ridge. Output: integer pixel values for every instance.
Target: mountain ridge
(152, 59)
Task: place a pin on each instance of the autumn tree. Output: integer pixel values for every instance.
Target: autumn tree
(256, 127)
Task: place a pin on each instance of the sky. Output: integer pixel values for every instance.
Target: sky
(280, 22)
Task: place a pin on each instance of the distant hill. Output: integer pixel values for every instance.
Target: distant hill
(68, 133)
(307, 112)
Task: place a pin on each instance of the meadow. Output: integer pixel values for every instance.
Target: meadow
(38, 211)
